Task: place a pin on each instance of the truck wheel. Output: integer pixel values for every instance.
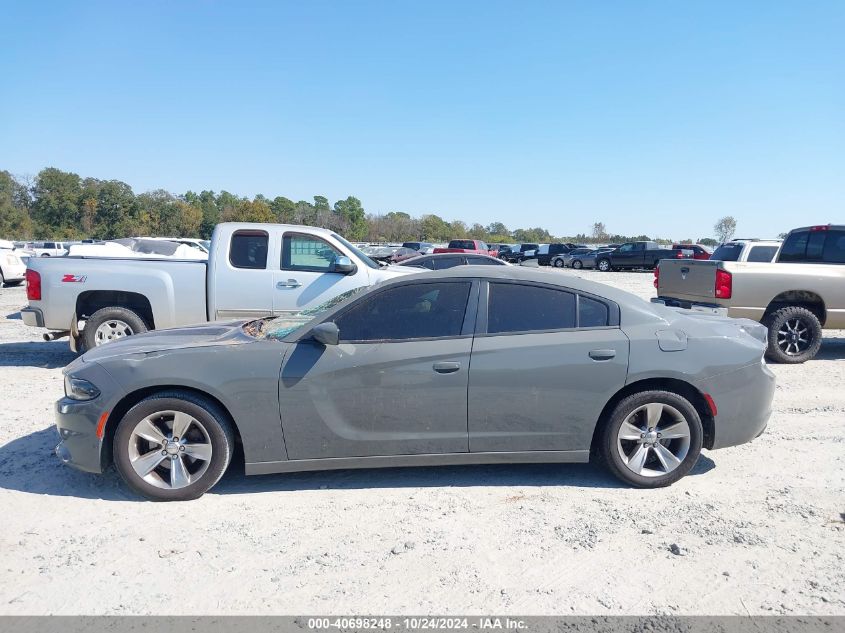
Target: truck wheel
(604, 265)
(795, 335)
(111, 324)
(173, 446)
(652, 439)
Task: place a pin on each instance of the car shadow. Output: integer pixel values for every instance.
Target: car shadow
(831, 349)
(27, 464)
(14, 316)
(43, 354)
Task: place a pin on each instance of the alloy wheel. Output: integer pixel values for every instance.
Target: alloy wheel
(169, 449)
(653, 440)
(794, 337)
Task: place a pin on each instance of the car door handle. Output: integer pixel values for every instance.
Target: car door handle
(290, 283)
(446, 367)
(602, 354)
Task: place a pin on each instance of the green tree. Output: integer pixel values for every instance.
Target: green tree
(116, 214)
(434, 228)
(55, 205)
(725, 228)
(354, 217)
(249, 211)
(283, 209)
(14, 215)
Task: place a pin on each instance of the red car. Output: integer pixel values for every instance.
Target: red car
(698, 251)
(468, 246)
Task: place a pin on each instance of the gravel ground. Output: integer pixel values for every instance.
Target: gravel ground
(756, 529)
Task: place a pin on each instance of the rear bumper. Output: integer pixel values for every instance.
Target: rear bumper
(695, 306)
(743, 401)
(33, 317)
(14, 272)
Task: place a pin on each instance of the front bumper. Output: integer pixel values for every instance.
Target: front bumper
(743, 401)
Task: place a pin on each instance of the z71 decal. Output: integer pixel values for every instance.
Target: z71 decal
(76, 279)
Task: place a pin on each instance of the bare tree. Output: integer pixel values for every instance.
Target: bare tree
(599, 232)
(725, 228)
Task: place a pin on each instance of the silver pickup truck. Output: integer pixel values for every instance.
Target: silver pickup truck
(253, 270)
(795, 297)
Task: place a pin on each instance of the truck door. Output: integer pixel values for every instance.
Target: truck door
(243, 283)
(305, 277)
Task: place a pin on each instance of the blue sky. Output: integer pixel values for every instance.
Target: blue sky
(654, 117)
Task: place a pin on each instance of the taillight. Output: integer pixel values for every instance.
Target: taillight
(656, 275)
(33, 285)
(820, 228)
(679, 254)
(724, 284)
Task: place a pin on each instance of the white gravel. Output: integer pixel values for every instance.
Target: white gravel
(757, 529)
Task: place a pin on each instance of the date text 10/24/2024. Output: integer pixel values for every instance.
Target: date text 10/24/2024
(417, 623)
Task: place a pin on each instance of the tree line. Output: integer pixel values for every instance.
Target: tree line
(61, 205)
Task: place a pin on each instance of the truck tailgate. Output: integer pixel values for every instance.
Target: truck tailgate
(687, 279)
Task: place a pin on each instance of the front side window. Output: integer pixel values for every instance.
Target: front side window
(411, 311)
(626, 248)
(248, 249)
(524, 308)
(482, 261)
(307, 253)
(442, 263)
(762, 253)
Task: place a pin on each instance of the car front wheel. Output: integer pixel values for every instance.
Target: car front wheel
(558, 263)
(173, 446)
(652, 439)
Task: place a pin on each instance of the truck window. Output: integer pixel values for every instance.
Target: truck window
(834, 247)
(728, 253)
(307, 253)
(626, 248)
(761, 253)
(248, 249)
(464, 244)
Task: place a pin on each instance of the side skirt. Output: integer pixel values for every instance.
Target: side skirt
(396, 461)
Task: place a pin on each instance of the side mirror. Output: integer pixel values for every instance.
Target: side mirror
(326, 333)
(343, 265)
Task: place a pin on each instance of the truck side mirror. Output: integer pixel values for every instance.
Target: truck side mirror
(326, 333)
(343, 265)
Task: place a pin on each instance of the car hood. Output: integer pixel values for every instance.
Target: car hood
(219, 333)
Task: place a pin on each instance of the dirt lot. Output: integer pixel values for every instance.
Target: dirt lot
(758, 528)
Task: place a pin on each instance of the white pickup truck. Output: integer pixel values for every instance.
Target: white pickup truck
(253, 270)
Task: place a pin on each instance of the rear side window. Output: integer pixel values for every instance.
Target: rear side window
(592, 313)
(523, 308)
(810, 246)
(407, 312)
(482, 261)
(727, 253)
(248, 249)
(762, 253)
(834, 247)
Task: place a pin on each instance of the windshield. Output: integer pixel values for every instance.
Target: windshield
(279, 327)
(369, 262)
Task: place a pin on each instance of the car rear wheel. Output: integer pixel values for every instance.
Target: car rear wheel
(577, 264)
(604, 265)
(795, 335)
(173, 446)
(558, 263)
(652, 439)
(111, 324)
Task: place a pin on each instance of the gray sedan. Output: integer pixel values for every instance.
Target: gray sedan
(462, 366)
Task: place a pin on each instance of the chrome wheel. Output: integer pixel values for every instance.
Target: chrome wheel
(112, 330)
(558, 263)
(604, 265)
(794, 337)
(653, 440)
(169, 449)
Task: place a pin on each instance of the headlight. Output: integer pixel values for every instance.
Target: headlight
(78, 389)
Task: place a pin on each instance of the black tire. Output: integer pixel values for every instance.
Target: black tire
(779, 324)
(604, 265)
(2, 279)
(45, 254)
(210, 415)
(608, 448)
(112, 313)
(577, 264)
